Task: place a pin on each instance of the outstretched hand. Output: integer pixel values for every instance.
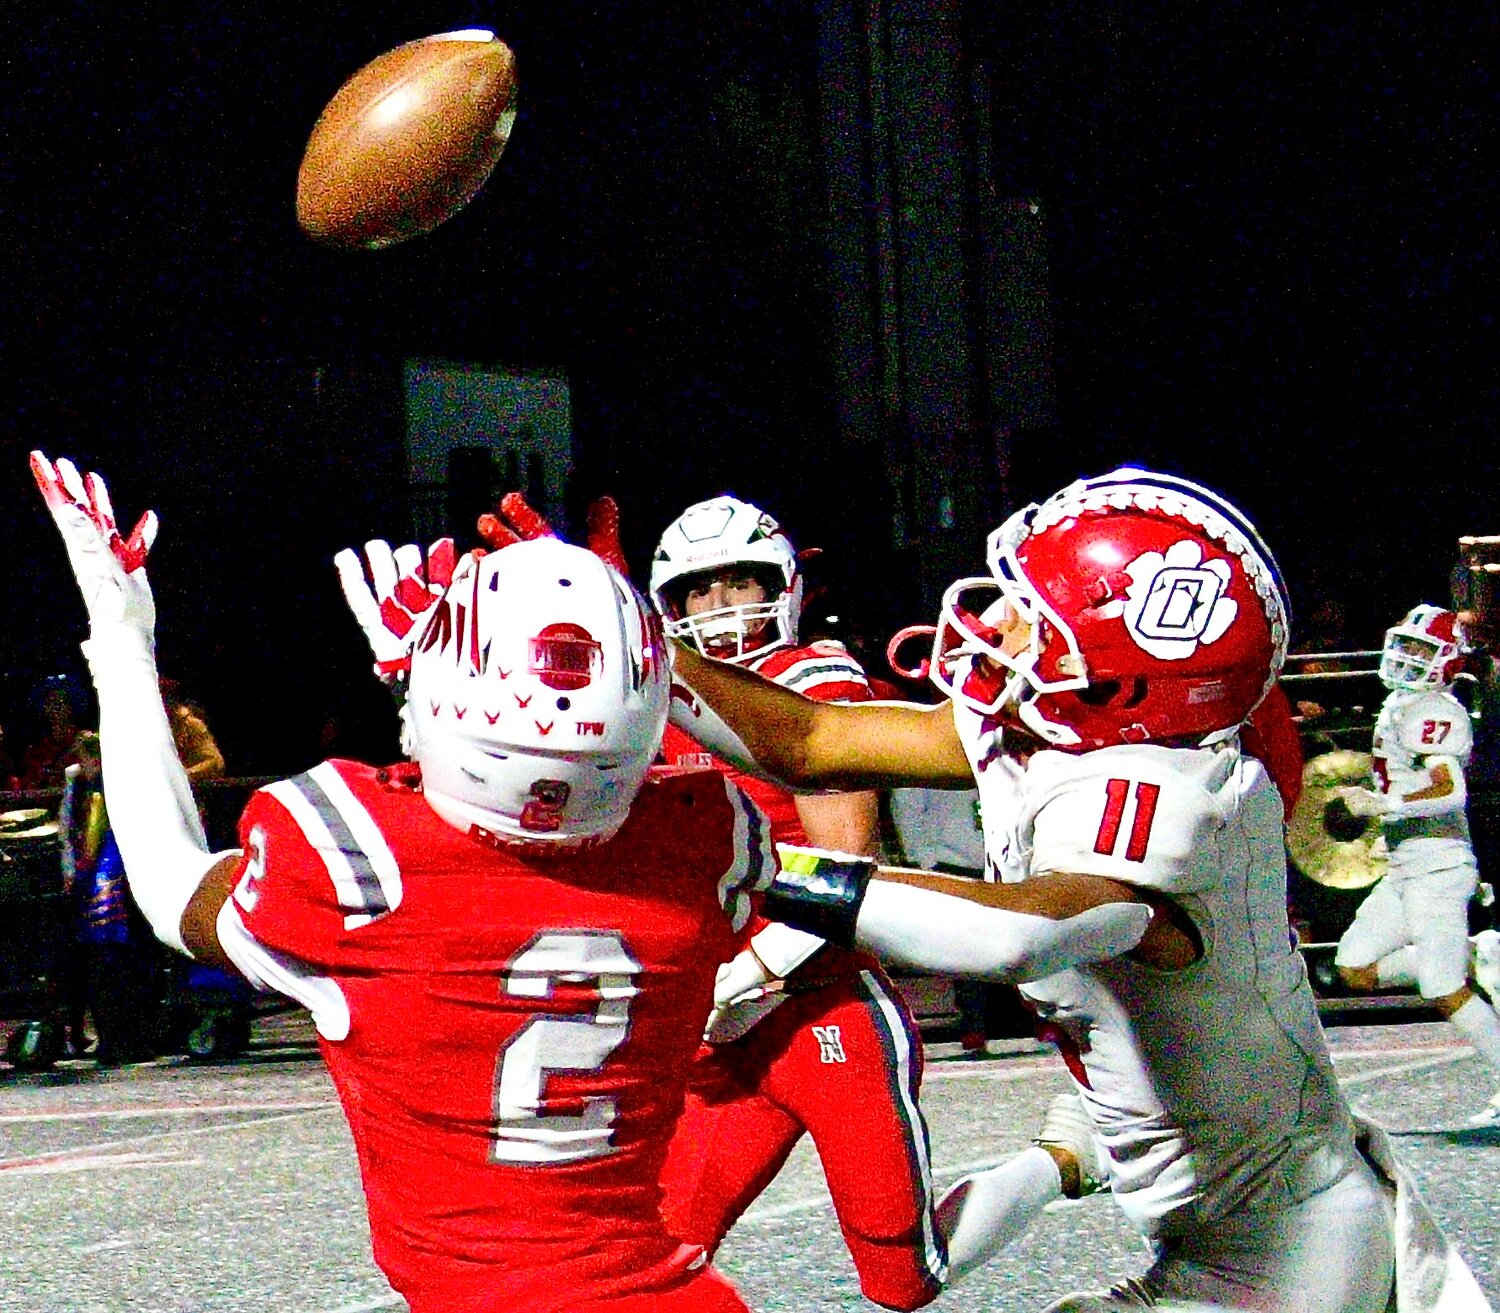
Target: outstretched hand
(391, 591)
(111, 570)
(515, 521)
(400, 590)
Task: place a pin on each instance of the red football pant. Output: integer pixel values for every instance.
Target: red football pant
(706, 1291)
(842, 1062)
(702, 1290)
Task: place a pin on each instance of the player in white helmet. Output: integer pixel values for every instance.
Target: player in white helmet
(1097, 679)
(803, 1032)
(1413, 927)
(727, 579)
(508, 944)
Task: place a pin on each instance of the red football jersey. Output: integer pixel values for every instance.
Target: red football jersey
(823, 671)
(510, 1036)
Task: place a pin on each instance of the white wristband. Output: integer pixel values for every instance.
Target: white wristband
(783, 948)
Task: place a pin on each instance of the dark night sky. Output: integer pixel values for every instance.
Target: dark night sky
(1273, 264)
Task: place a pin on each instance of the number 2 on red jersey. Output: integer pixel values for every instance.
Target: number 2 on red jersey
(598, 966)
(1116, 794)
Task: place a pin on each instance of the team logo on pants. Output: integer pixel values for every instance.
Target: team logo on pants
(830, 1044)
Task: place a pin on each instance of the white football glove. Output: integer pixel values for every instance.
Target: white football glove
(110, 570)
(744, 974)
(1365, 802)
(400, 590)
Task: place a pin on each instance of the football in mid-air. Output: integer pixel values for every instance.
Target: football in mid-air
(407, 140)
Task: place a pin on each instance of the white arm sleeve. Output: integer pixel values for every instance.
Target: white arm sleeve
(907, 926)
(1453, 801)
(146, 790)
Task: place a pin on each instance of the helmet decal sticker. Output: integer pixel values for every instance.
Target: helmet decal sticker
(706, 521)
(565, 657)
(543, 812)
(1176, 601)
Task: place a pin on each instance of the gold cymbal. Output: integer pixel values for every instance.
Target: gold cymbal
(33, 832)
(25, 816)
(1327, 843)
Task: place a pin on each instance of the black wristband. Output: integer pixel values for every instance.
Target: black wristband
(820, 893)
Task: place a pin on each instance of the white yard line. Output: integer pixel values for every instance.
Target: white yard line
(979, 1071)
(30, 1161)
(1408, 1068)
(168, 1110)
(101, 1162)
(367, 1306)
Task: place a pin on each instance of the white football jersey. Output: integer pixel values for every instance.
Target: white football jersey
(1412, 727)
(1211, 1088)
(998, 777)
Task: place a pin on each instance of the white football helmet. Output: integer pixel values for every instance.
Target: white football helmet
(538, 696)
(1424, 651)
(713, 535)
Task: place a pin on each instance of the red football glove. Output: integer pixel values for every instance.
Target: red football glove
(515, 521)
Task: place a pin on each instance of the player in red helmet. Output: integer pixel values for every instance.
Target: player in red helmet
(803, 1031)
(1097, 681)
(508, 944)
(1413, 926)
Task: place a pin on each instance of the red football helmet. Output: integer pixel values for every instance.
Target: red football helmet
(1155, 612)
(1424, 651)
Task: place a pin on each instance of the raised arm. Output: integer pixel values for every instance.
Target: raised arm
(754, 722)
(177, 883)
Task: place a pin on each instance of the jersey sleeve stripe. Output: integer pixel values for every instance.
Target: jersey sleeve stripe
(379, 862)
(358, 860)
(748, 869)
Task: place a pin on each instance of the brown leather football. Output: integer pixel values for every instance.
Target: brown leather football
(407, 141)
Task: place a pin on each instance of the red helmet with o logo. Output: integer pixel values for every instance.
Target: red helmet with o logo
(1156, 614)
